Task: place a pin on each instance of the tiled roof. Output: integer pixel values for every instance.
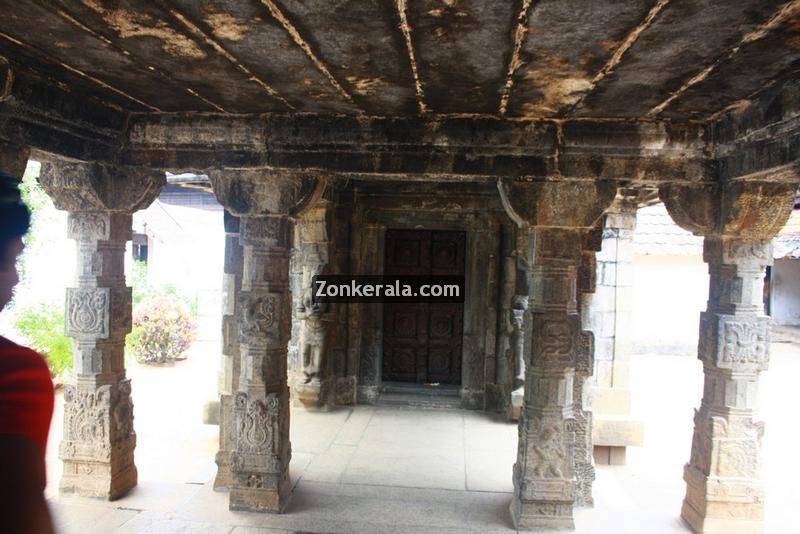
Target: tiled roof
(787, 243)
(656, 234)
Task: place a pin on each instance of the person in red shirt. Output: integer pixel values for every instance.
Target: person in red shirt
(26, 393)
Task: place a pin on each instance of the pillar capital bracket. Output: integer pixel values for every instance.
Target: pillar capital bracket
(749, 210)
(78, 186)
(259, 192)
(573, 204)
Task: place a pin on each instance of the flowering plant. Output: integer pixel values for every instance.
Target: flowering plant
(163, 330)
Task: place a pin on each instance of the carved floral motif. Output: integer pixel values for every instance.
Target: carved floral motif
(87, 311)
(743, 342)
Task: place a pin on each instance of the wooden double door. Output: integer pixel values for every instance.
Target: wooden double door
(422, 342)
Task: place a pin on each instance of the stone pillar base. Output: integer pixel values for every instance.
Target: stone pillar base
(346, 391)
(723, 506)
(544, 515)
(224, 479)
(107, 480)
(257, 499)
(515, 408)
(313, 395)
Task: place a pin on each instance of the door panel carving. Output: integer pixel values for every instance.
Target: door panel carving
(422, 342)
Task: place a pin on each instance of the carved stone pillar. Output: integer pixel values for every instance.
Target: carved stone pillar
(231, 357)
(723, 487)
(557, 215)
(584, 367)
(261, 449)
(98, 443)
(315, 386)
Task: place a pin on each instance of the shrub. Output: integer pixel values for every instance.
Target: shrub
(42, 326)
(144, 291)
(163, 330)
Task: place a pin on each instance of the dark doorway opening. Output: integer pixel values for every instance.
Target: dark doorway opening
(422, 342)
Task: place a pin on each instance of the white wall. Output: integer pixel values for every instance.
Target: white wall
(786, 291)
(669, 292)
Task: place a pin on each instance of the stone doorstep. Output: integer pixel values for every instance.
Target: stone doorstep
(619, 431)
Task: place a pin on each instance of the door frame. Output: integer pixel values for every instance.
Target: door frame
(365, 329)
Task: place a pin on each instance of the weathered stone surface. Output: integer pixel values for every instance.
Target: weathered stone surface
(316, 335)
(13, 159)
(99, 440)
(558, 216)
(231, 360)
(261, 451)
(724, 492)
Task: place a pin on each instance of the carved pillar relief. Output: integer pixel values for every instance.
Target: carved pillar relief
(584, 367)
(558, 216)
(723, 487)
(99, 440)
(315, 387)
(261, 451)
(231, 356)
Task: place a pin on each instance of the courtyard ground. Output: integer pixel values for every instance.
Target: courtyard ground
(394, 470)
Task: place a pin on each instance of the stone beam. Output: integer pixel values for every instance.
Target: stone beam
(442, 148)
(44, 116)
(557, 217)
(759, 139)
(723, 487)
(99, 439)
(260, 448)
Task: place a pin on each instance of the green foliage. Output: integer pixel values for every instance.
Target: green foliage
(42, 326)
(144, 292)
(163, 330)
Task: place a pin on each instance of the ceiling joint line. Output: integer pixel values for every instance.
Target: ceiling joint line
(304, 45)
(779, 17)
(78, 24)
(80, 73)
(616, 58)
(209, 41)
(515, 62)
(402, 11)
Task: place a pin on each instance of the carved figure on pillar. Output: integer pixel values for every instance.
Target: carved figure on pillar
(518, 308)
(316, 318)
(261, 451)
(723, 487)
(556, 215)
(315, 388)
(99, 439)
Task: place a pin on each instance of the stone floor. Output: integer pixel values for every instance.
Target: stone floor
(385, 469)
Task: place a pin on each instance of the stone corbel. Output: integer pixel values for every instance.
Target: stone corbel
(746, 210)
